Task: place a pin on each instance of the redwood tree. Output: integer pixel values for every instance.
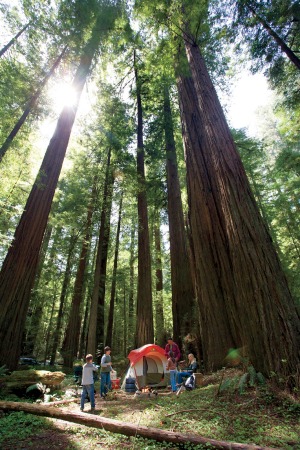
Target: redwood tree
(20, 265)
(238, 272)
(144, 319)
(183, 296)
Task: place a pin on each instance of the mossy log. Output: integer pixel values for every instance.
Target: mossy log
(23, 378)
(128, 429)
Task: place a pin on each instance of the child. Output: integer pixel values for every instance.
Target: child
(88, 382)
(105, 372)
(171, 366)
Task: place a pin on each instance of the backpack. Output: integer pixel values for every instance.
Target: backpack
(190, 383)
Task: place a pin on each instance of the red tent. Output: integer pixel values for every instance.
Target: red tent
(148, 366)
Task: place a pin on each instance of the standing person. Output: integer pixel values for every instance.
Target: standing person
(172, 347)
(88, 382)
(189, 370)
(171, 366)
(105, 372)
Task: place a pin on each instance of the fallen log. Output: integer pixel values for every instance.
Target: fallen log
(24, 378)
(128, 429)
(60, 402)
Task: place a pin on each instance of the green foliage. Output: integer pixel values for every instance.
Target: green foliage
(18, 425)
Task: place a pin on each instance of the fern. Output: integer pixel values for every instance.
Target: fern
(225, 385)
(243, 382)
(260, 378)
(3, 370)
(253, 376)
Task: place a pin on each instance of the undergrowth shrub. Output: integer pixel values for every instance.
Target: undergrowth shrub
(19, 425)
(249, 379)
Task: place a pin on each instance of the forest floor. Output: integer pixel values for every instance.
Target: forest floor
(224, 409)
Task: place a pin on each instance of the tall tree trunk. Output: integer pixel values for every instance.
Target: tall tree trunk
(63, 295)
(96, 320)
(125, 335)
(183, 296)
(130, 334)
(110, 321)
(285, 48)
(49, 329)
(36, 303)
(71, 341)
(12, 41)
(144, 316)
(84, 330)
(159, 301)
(20, 265)
(29, 107)
(238, 271)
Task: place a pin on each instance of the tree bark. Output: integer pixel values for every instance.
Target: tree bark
(36, 303)
(110, 320)
(66, 281)
(128, 429)
(96, 320)
(20, 265)
(159, 301)
(5, 146)
(215, 331)
(238, 270)
(71, 341)
(130, 334)
(183, 296)
(12, 41)
(144, 317)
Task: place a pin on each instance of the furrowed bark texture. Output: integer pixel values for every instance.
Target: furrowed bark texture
(238, 271)
(183, 296)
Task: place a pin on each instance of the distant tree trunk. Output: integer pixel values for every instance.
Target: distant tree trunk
(49, 330)
(63, 295)
(279, 41)
(131, 287)
(144, 316)
(84, 331)
(183, 295)
(29, 107)
(71, 341)
(96, 320)
(125, 335)
(12, 41)
(110, 321)
(159, 301)
(20, 265)
(238, 271)
(36, 303)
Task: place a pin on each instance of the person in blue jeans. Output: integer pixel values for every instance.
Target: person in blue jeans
(172, 366)
(88, 382)
(105, 372)
(189, 370)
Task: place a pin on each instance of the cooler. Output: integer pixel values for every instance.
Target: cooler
(115, 384)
